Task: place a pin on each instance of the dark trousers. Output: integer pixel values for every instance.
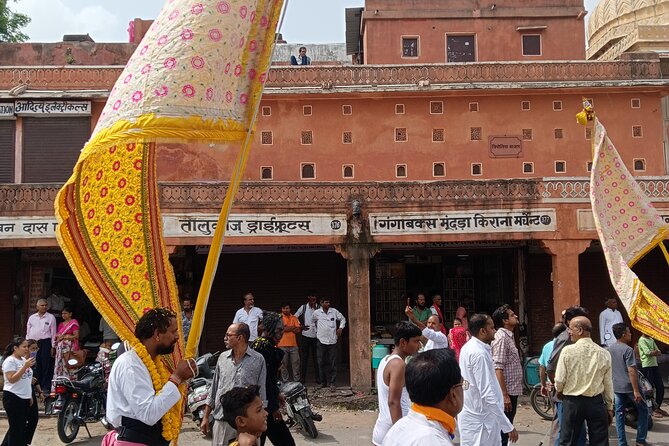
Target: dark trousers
(33, 418)
(308, 346)
(44, 366)
(652, 374)
(277, 432)
(327, 363)
(17, 415)
(576, 410)
(510, 415)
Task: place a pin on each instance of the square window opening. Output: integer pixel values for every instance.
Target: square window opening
(531, 45)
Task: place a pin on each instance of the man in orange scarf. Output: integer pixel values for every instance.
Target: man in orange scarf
(431, 419)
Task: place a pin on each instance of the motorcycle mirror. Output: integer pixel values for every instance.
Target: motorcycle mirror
(72, 362)
(115, 345)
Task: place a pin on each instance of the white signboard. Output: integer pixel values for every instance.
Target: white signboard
(6, 110)
(200, 225)
(62, 108)
(468, 222)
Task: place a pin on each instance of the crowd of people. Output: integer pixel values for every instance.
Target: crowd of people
(434, 386)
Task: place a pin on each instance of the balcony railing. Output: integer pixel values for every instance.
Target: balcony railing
(103, 78)
(26, 199)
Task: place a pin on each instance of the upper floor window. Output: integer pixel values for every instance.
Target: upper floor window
(531, 44)
(409, 46)
(460, 48)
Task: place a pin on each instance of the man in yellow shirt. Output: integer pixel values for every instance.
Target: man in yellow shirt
(584, 382)
(290, 370)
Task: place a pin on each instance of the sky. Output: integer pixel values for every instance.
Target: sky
(307, 21)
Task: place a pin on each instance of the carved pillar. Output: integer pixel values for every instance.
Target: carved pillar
(358, 254)
(565, 275)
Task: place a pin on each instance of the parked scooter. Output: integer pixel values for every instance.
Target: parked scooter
(298, 407)
(80, 402)
(199, 387)
(648, 392)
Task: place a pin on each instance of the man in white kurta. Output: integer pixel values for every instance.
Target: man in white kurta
(607, 319)
(482, 417)
(250, 315)
(431, 330)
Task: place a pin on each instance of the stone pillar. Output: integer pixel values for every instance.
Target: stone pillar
(565, 275)
(358, 252)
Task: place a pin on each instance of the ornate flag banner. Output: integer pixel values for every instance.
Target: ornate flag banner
(629, 227)
(197, 75)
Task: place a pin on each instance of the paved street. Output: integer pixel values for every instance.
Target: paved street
(350, 428)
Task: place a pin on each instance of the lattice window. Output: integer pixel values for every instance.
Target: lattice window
(266, 110)
(475, 134)
(266, 173)
(588, 166)
(347, 138)
(438, 135)
(473, 106)
(401, 134)
(639, 164)
(560, 166)
(557, 105)
(636, 131)
(477, 169)
(527, 134)
(346, 110)
(588, 133)
(401, 170)
(307, 137)
(266, 138)
(347, 171)
(528, 167)
(307, 171)
(399, 109)
(436, 107)
(438, 169)
(636, 103)
(525, 105)
(558, 133)
(307, 110)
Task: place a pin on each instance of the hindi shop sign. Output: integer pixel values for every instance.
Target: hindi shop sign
(467, 222)
(52, 108)
(505, 146)
(257, 225)
(200, 225)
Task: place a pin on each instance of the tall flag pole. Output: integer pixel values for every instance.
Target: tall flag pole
(629, 227)
(197, 76)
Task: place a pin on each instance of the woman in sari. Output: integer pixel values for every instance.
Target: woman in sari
(457, 336)
(67, 340)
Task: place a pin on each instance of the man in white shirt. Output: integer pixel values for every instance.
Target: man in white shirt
(607, 319)
(56, 303)
(431, 420)
(249, 315)
(41, 327)
(133, 405)
(430, 330)
(308, 343)
(394, 402)
(482, 417)
(325, 319)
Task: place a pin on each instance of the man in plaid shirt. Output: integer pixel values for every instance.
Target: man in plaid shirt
(506, 359)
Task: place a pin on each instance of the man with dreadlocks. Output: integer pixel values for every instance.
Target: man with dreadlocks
(133, 406)
(265, 344)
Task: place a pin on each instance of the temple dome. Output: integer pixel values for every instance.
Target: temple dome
(614, 19)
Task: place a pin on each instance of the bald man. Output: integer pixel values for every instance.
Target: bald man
(583, 380)
(41, 327)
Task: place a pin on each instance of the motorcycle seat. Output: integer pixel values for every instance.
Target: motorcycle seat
(86, 384)
(292, 388)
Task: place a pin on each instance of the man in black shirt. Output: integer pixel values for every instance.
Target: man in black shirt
(265, 344)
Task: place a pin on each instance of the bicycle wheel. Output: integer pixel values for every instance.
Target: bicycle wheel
(541, 404)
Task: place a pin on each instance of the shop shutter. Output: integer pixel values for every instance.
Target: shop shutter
(51, 147)
(7, 132)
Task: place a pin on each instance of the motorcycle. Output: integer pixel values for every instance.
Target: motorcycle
(298, 407)
(79, 402)
(199, 387)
